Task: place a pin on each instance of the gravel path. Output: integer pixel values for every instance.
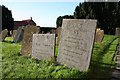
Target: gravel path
(116, 73)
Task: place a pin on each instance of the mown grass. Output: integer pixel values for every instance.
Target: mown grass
(102, 63)
(18, 66)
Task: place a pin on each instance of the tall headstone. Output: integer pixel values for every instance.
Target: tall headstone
(117, 33)
(76, 43)
(43, 46)
(3, 34)
(19, 35)
(99, 35)
(27, 39)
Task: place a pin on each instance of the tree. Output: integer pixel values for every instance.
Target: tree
(60, 19)
(7, 20)
(107, 14)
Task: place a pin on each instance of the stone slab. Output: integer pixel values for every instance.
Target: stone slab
(99, 35)
(118, 57)
(14, 33)
(3, 34)
(76, 43)
(58, 35)
(117, 62)
(19, 34)
(27, 39)
(116, 75)
(117, 32)
(0, 37)
(43, 46)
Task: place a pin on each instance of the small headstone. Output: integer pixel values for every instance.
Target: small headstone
(76, 43)
(0, 37)
(27, 39)
(99, 35)
(10, 33)
(43, 46)
(19, 35)
(117, 33)
(3, 34)
(58, 35)
(14, 33)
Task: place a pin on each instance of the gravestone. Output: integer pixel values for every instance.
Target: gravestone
(58, 35)
(0, 37)
(43, 46)
(14, 33)
(27, 39)
(76, 43)
(19, 35)
(3, 34)
(99, 35)
(117, 32)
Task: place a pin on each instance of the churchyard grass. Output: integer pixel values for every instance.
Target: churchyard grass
(15, 65)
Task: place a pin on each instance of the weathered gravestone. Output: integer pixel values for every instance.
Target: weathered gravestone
(76, 43)
(19, 35)
(14, 33)
(99, 35)
(43, 46)
(3, 34)
(27, 39)
(117, 33)
(0, 37)
(58, 35)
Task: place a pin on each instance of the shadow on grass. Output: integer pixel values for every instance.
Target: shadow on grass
(106, 48)
(8, 41)
(98, 69)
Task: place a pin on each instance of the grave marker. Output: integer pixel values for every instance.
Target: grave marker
(3, 34)
(58, 35)
(14, 33)
(43, 46)
(19, 35)
(27, 39)
(76, 43)
(99, 35)
(117, 32)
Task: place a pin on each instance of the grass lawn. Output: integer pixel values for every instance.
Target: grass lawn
(18, 66)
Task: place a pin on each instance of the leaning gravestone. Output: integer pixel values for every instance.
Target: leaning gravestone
(27, 39)
(19, 35)
(3, 34)
(117, 33)
(43, 46)
(99, 35)
(76, 43)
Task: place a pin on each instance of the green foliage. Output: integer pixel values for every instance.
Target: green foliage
(102, 62)
(60, 18)
(7, 19)
(15, 65)
(106, 13)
